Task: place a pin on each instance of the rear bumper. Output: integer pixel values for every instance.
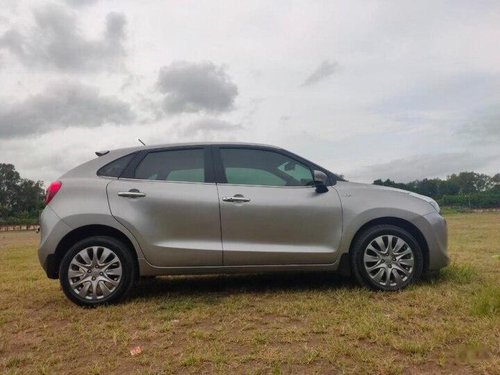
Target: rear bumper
(52, 230)
(434, 228)
(51, 266)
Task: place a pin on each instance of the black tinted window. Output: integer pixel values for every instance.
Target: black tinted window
(115, 168)
(261, 167)
(173, 165)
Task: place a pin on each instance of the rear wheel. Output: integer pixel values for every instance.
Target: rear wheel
(97, 270)
(386, 257)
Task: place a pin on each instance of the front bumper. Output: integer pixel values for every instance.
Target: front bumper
(434, 228)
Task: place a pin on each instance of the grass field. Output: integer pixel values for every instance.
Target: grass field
(283, 323)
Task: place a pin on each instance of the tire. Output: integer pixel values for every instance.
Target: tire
(96, 271)
(384, 251)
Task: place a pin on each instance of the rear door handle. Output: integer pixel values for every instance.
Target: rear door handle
(238, 198)
(132, 193)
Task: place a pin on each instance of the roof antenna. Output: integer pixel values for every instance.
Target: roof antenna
(141, 141)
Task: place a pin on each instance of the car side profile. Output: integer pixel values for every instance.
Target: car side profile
(205, 208)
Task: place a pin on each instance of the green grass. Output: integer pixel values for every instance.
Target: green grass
(261, 324)
(487, 301)
(459, 273)
(455, 211)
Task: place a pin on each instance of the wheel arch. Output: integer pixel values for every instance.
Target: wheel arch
(83, 232)
(388, 220)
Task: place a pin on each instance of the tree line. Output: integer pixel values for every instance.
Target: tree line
(465, 189)
(21, 199)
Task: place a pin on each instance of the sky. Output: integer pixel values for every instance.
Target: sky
(368, 89)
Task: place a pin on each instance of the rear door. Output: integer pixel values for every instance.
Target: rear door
(271, 213)
(169, 201)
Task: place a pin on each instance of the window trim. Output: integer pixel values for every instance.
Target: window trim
(129, 172)
(220, 174)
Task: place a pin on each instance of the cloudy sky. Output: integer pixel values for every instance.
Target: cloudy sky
(368, 89)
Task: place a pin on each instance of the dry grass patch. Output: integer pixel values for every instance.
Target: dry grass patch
(261, 324)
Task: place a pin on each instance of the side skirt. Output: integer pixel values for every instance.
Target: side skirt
(147, 269)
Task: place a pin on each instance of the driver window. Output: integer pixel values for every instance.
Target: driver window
(298, 171)
(262, 167)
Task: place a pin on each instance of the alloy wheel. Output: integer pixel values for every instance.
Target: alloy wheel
(95, 273)
(389, 261)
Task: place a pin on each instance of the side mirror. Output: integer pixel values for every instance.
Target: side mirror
(320, 180)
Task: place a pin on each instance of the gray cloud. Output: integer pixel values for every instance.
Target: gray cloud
(407, 90)
(211, 129)
(465, 91)
(419, 167)
(196, 87)
(57, 43)
(482, 128)
(323, 71)
(79, 3)
(61, 105)
(208, 126)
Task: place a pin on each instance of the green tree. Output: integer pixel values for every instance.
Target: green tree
(20, 198)
(465, 189)
(449, 187)
(429, 187)
(496, 183)
(471, 182)
(391, 183)
(9, 179)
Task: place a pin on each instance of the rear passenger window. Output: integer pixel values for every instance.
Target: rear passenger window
(115, 168)
(173, 165)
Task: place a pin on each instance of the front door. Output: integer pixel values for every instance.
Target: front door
(171, 209)
(271, 213)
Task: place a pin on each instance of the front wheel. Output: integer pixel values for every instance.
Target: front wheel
(386, 257)
(97, 270)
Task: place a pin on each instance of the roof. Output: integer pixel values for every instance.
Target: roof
(186, 144)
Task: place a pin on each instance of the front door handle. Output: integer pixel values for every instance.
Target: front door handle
(132, 193)
(238, 198)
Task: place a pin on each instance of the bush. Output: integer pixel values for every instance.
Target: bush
(19, 221)
(474, 200)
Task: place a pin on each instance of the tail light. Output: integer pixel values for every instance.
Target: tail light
(52, 191)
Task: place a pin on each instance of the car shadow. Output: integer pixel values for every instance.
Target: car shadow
(434, 278)
(243, 283)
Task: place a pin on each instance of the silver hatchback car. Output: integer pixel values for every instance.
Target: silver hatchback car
(228, 208)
